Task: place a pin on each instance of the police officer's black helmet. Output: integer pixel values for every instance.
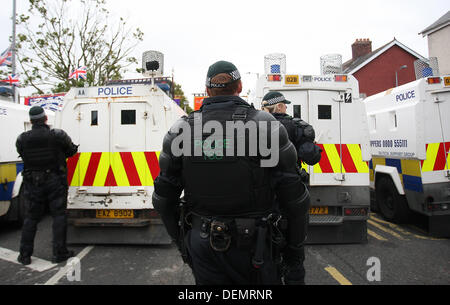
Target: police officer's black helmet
(221, 67)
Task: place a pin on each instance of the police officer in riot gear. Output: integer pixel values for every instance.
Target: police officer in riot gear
(232, 198)
(44, 152)
(301, 135)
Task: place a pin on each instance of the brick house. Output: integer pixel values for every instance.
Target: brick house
(383, 68)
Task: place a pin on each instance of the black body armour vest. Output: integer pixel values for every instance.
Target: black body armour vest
(39, 150)
(224, 184)
(290, 126)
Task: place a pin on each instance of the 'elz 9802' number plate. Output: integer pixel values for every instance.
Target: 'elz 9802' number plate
(318, 210)
(114, 214)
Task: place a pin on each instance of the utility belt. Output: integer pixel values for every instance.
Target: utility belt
(39, 177)
(251, 234)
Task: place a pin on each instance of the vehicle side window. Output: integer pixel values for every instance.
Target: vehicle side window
(297, 111)
(128, 117)
(94, 118)
(324, 112)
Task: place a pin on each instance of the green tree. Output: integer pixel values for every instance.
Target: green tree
(184, 103)
(59, 36)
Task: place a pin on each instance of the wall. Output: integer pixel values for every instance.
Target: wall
(379, 74)
(438, 46)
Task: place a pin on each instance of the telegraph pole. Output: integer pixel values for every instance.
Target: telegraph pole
(13, 47)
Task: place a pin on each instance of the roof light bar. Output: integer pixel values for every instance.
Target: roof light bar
(340, 78)
(274, 78)
(434, 80)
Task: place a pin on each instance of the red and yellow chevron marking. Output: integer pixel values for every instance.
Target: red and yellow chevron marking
(330, 162)
(113, 169)
(436, 157)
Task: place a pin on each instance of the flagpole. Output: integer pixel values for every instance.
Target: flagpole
(13, 64)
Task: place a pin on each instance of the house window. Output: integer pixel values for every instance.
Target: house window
(128, 117)
(324, 112)
(94, 118)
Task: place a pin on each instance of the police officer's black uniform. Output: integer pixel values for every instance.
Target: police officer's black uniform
(44, 152)
(232, 199)
(301, 134)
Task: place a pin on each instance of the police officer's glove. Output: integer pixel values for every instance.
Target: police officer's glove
(293, 270)
(304, 176)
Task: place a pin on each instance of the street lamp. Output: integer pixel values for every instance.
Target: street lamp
(396, 75)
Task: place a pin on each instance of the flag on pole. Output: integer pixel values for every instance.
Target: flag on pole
(12, 80)
(6, 57)
(79, 73)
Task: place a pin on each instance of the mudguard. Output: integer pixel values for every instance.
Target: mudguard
(393, 173)
(17, 185)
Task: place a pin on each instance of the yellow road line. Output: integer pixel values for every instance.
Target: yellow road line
(394, 226)
(412, 227)
(385, 229)
(337, 276)
(375, 235)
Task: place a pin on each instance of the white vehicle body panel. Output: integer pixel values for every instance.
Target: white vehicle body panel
(112, 139)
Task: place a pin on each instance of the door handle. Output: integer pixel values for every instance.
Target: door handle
(119, 146)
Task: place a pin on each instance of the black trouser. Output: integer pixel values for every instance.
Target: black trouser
(231, 267)
(42, 188)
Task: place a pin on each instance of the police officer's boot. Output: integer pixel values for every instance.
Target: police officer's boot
(27, 241)
(24, 259)
(61, 256)
(60, 251)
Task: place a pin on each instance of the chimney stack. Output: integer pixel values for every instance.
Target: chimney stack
(361, 47)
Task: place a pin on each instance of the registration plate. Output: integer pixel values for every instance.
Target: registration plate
(318, 210)
(114, 214)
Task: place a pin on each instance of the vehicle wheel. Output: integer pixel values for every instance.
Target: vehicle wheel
(392, 205)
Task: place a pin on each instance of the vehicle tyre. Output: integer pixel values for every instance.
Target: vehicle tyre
(391, 204)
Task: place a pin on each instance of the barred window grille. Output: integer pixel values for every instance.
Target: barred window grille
(331, 64)
(426, 68)
(149, 56)
(275, 63)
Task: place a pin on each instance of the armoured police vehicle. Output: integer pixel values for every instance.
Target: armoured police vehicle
(339, 183)
(409, 142)
(120, 130)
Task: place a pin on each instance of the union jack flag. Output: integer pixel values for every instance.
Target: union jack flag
(6, 57)
(12, 80)
(79, 73)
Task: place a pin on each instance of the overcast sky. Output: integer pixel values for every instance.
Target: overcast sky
(194, 34)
